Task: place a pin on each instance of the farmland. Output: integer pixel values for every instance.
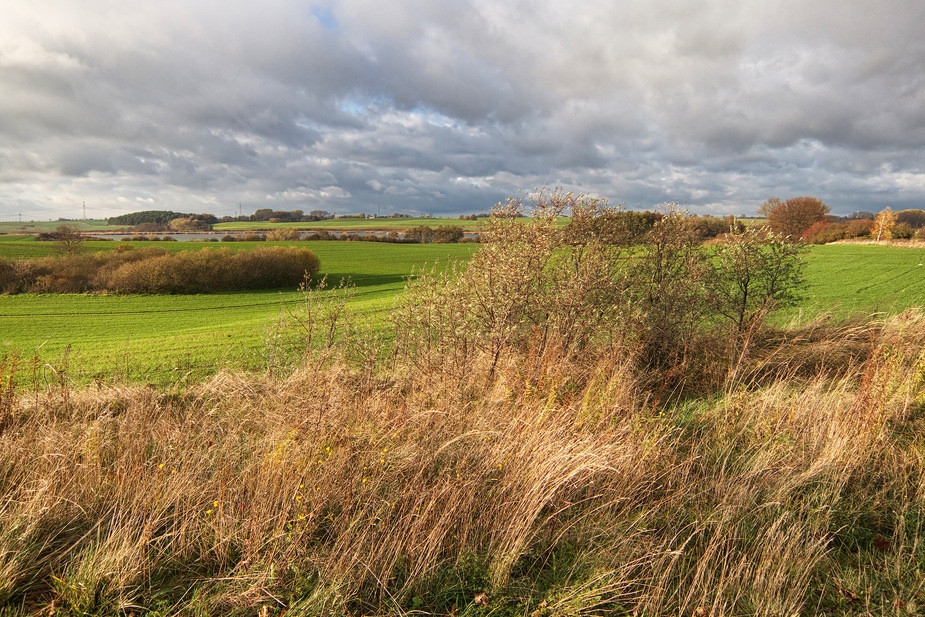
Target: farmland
(491, 467)
(155, 338)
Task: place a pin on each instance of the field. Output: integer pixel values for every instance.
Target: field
(158, 338)
(354, 224)
(34, 227)
(524, 449)
(858, 278)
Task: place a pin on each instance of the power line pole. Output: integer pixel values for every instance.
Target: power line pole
(85, 211)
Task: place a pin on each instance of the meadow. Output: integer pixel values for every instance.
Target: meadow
(160, 338)
(353, 224)
(490, 466)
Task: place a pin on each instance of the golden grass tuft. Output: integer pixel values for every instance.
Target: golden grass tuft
(555, 485)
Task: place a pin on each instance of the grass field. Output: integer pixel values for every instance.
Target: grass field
(552, 475)
(157, 338)
(353, 224)
(34, 227)
(857, 278)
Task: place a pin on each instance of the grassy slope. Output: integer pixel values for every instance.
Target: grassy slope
(552, 485)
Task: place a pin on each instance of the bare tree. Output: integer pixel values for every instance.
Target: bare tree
(67, 239)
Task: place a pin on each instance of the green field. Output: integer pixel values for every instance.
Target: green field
(157, 338)
(160, 337)
(857, 278)
(34, 227)
(353, 224)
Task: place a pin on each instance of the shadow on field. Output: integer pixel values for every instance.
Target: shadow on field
(360, 280)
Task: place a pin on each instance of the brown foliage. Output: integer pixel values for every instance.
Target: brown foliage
(154, 270)
(793, 217)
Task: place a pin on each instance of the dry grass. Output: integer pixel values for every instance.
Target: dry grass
(554, 485)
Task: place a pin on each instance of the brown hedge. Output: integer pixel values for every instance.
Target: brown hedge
(154, 270)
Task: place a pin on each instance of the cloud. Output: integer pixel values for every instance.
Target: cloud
(418, 106)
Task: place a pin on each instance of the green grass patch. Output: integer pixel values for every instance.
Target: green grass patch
(352, 224)
(34, 227)
(847, 279)
(158, 338)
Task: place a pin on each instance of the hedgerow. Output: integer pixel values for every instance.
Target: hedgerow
(154, 270)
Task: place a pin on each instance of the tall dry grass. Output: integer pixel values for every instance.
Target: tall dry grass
(553, 484)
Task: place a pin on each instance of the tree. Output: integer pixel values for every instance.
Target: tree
(913, 218)
(766, 208)
(751, 275)
(447, 234)
(883, 224)
(67, 239)
(793, 217)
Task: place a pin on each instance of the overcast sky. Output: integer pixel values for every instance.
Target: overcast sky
(447, 106)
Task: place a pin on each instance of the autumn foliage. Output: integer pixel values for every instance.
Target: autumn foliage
(795, 216)
(154, 270)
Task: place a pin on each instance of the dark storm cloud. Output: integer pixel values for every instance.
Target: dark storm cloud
(446, 107)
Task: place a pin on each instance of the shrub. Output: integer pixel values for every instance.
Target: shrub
(283, 234)
(902, 231)
(538, 288)
(531, 283)
(751, 275)
(823, 232)
(153, 270)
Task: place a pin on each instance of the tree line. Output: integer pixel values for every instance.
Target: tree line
(810, 220)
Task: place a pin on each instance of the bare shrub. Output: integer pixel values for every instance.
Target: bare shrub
(532, 282)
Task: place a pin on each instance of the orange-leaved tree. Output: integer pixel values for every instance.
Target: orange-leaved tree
(793, 217)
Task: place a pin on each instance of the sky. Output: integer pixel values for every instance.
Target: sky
(446, 107)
